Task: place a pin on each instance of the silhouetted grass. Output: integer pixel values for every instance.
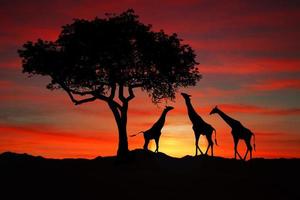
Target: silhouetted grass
(147, 175)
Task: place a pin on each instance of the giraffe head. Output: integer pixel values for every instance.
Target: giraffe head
(168, 108)
(214, 110)
(186, 96)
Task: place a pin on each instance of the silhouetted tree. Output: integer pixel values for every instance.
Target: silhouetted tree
(93, 59)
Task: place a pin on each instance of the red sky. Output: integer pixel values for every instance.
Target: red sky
(249, 55)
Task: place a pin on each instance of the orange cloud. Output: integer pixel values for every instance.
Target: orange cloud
(258, 66)
(230, 108)
(48, 132)
(278, 84)
(251, 109)
(48, 142)
(5, 84)
(258, 86)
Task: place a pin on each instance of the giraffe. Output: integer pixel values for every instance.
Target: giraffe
(155, 131)
(238, 131)
(200, 127)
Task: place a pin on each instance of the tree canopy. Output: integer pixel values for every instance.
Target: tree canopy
(91, 57)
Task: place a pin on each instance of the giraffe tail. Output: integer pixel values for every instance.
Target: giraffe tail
(136, 134)
(216, 137)
(253, 141)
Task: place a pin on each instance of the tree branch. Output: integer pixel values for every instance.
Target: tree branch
(115, 111)
(77, 102)
(131, 94)
(85, 100)
(121, 93)
(94, 94)
(110, 99)
(112, 92)
(82, 93)
(101, 97)
(116, 104)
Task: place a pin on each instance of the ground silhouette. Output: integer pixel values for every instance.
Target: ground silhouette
(148, 175)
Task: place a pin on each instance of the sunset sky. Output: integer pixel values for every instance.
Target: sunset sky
(249, 55)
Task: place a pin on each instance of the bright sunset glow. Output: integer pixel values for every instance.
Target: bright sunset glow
(249, 58)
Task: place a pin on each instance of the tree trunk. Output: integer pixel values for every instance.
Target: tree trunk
(121, 120)
(123, 142)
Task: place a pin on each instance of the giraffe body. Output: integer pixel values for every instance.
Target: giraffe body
(200, 127)
(154, 132)
(238, 131)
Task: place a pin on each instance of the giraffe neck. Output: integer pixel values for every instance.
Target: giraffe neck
(161, 121)
(230, 121)
(191, 111)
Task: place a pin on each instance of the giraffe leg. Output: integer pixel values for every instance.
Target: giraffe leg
(239, 155)
(146, 144)
(199, 148)
(196, 145)
(250, 154)
(207, 149)
(207, 146)
(235, 147)
(210, 145)
(156, 142)
(236, 141)
(249, 149)
(212, 148)
(246, 154)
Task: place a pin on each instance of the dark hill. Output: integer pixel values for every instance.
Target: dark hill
(147, 175)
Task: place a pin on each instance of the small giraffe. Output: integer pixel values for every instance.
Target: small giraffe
(155, 131)
(238, 131)
(200, 127)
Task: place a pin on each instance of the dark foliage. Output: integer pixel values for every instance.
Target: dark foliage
(91, 57)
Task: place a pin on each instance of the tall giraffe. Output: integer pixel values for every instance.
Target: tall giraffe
(238, 131)
(200, 127)
(155, 131)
